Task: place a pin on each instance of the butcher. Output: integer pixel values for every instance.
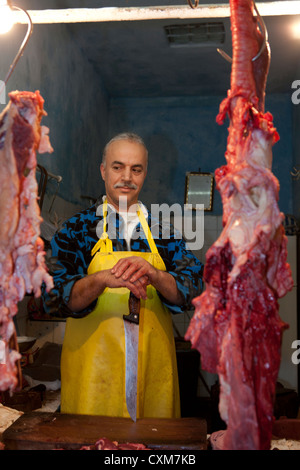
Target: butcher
(98, 257)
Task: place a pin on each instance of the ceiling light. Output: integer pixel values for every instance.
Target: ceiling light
(296, 30)
(6, 17)
(7, 20)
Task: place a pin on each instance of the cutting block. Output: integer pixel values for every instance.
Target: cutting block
(45, 431)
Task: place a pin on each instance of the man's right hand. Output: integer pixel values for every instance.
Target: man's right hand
(138, 288)
(90, 287)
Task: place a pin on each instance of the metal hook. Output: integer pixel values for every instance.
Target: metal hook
(295, 173)
(21, 50)
(264, 43)
(264, 33)
(191, 3)
(224, 55)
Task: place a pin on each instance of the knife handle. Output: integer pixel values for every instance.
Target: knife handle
(134, 309)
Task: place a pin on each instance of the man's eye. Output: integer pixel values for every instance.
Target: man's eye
(137, 170)
(116, 167)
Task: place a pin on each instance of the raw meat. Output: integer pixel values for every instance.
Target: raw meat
(22, 264)
(106, 444)
(236, 326)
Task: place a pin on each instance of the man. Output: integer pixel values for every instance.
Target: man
(100, 255)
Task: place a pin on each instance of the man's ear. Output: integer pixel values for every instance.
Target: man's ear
(102, 171)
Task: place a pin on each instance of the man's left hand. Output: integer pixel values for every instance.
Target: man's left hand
(134, 268)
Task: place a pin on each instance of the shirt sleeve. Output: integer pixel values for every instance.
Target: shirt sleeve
(187, 271)
(67, 263)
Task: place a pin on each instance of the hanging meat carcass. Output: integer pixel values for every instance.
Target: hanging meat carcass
(236, 326)
(22, 265)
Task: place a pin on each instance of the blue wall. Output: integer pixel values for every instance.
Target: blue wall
(181, 133)
(182, 136)
(296, 150)
(282, 109)
(75, 100)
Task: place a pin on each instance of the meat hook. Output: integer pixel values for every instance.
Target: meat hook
(264, 33)
(264, 42)
(22, 47)
(295, 173)
(42, 185)
(193, 5)
(44, 178)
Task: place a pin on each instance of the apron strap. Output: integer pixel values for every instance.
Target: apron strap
(147, 231)
(105, 244)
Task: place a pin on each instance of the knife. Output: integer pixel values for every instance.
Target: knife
(131, 325)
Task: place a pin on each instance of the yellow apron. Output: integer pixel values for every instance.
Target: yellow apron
(93, 354)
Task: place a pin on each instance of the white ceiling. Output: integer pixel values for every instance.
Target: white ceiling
(134, 59)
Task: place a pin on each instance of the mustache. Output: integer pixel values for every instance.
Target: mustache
(125, 185)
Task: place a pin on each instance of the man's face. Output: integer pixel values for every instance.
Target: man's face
(124, 171)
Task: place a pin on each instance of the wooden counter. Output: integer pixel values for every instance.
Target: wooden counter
(43, 431)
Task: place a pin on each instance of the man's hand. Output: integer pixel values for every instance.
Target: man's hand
(133, 272)
(137, 286)
(134, 269)
(90, 287)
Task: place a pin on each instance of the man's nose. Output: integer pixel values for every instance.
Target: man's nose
(126, 174)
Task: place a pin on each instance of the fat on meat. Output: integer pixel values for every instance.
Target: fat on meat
(22, 263)
(236, 326)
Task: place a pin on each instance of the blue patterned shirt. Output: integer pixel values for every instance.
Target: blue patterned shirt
(71, 255)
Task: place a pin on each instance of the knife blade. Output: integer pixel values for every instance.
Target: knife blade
(131, 326)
